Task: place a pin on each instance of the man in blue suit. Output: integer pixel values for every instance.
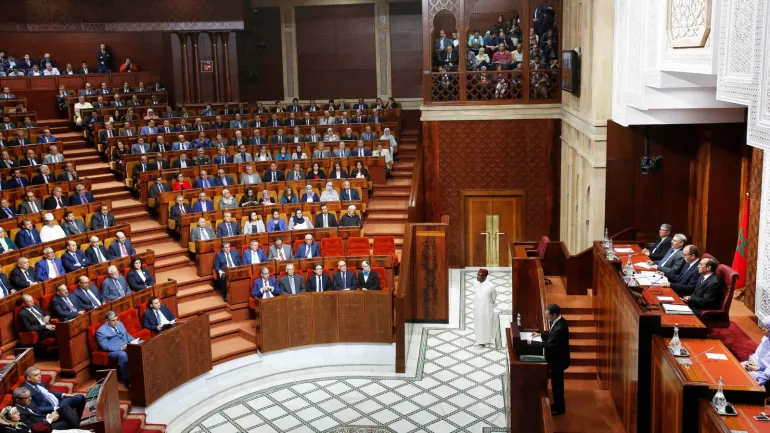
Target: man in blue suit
(149, 129)
(684, 282)
(65, 305)
(74, 259)
(254, 254)
(121, 247)
(112, 337)
(348, 194)
(50, 267)
(88, 295)
(273, 175)
(46, 400)
(203, 205)
(309, 249)
(204, 182)
(81, 196)
(222, 179)
(344, 279)
(265, 286)
(28, 235)
(225, 258)
(157, 317)
(319, 282)
(238, 122)
(228, 227)
(360, 150)
(115, 286)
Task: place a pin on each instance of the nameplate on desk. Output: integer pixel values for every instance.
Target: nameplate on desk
(684, 361)
(666, 298)
(717, 356)
(624, 250)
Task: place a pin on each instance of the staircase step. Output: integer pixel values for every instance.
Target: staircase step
(581, 372)
(194, 292)
(578, 310)
(219, 316)
(394, 193)
(386, 205)
(213, 302)
(77, 152)
(224, 329)
(232, 347)
(90, 159)
(388, 217)
(582, 358)
(580, 319)
(583, 345)
(384, 229)
(147, 238)
(581, 332)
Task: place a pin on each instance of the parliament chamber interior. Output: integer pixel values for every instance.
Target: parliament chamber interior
(401, 216)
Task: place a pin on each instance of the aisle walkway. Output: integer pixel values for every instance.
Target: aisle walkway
(451, 385)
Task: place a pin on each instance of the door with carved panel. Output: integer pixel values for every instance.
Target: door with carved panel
(492, 221)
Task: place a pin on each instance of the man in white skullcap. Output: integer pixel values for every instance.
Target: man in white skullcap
(484, 309)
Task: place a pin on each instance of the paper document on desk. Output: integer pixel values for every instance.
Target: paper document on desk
(624, 250)
(525, 337)
(717, 356)
(649, 280)
(643, 265)
(666, 298)
(677, 309)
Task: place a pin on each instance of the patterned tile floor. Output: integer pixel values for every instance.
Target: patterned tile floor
(458, 387)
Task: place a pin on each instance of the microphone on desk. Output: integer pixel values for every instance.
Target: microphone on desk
(704, 352)
(656, 281)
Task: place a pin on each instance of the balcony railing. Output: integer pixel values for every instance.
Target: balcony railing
(493, 87)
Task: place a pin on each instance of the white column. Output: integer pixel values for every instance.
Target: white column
(762, 299)
(289, 53)
(382, 48)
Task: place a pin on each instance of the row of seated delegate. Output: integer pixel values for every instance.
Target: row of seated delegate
(30, 172)
(22, 196)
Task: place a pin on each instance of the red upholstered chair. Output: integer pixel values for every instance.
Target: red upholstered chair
(130, 320)
(384, 246)
(31, 338)
(383, 277)
(99, 280)
(46, 305)
(332, 247)
(297, 243)
(358, 246)
(98, 356)
(7, 401)
(721, 318)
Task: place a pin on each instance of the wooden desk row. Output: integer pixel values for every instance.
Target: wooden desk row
(19, 152)
(53, 82)
(41, 190)
(324, 318)
(11, 257)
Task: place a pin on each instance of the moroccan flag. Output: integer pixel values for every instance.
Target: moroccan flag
(739, 260)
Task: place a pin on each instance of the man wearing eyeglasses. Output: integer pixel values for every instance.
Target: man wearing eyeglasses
(657, 250)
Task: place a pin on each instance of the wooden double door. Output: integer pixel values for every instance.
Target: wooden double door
(493, 219)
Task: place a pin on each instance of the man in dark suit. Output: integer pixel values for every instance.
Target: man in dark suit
(291, 283)
(121, 247)
(557, 356)
(30, 205)
(225, 258)
(228, 227)
(88, 295)
(17, 180)
(5, 286)
(291, 121)
(351, 218)
(32, 318)
(309, 249)
(44, 176)
(96, 253)
(68, 174)
(659, 248)
(65, 305)
(28, 235)
(319, 282)
(157, 317)
(673, 260)
(709, 290)
(178, 209)
(360, 150)
(102, 219)
(161, 163)
(324, 219)
(253, 254)
(348, 194)
(279, 137)
(46, 400)
(73, 259)
(294, 107)
(344, 279)
(103, 59)
(440, 46)
(684, 282)
(6, 211)
(159, 187)
(56, 201)
(273, 175)
(265, 287)
(63, 418)
(307, 120)
(72, 225)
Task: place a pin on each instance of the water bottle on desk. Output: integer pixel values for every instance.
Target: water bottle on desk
(675, 346)
(719, 401)
(606, 240)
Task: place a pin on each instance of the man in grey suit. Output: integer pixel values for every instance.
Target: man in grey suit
(30, 204)
(341, 151)
(280, 252)
(242, 155)
(250, 177)
(202, 232)
(115, 286)
(158, 187)
(291, 283)
(73, 226)
(296, 173)
(673, 261)
(321, 152)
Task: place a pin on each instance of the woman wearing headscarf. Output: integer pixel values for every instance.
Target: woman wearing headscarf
(329, 193)
(367, 278)
(266, 199)
(299, 222)
(386, 135)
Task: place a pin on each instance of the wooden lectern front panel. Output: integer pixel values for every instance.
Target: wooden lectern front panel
(352, 316)
(325, 318)
(300, 326)
(275, 317)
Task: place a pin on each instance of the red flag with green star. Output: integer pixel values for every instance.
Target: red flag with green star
(739, 260)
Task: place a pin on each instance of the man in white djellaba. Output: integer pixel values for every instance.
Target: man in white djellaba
(484, 309)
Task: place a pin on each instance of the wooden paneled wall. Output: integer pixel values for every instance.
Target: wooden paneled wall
(697, 191)
(459, 156)
(406, 49)
(260, 73)
(336, 51)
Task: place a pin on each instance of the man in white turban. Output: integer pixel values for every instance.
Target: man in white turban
(759, 363)
(484, 309)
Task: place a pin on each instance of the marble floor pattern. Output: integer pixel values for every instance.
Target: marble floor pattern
(455, 386)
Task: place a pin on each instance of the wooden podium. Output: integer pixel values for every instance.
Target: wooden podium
(169, 359)
(102, 412)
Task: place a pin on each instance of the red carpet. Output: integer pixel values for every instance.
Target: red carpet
(739, 343)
